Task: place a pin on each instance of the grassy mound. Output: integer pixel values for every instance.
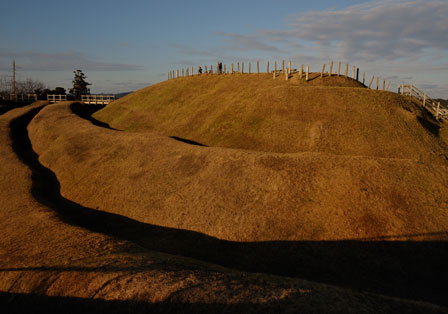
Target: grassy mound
(330, 115)
(242, 195)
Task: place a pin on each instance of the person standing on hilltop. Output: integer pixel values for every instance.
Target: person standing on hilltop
(219, 67)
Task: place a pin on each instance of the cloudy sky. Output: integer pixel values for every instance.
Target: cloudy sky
(127, 45)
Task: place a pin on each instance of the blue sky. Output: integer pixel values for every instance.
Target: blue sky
(127, 45)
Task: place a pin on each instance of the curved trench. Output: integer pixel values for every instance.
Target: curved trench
(412, 270)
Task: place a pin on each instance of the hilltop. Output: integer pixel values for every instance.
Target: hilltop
(333, 115)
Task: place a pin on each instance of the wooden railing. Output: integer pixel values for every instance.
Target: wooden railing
(97, 99)
(439, 111)
(56, 98)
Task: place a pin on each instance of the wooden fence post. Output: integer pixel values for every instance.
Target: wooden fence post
(331, 68)
(182, 72)
(238, 68)
(198, 69)
(249, 68)
(411, 91)
(377, 83)
(307, 73)
(402, 89)
(346, 70)
(286, 75)
(258, 67)
(339, 68)
(283, 66)
(192, 71)
(388, 85)
(384, 84)
(231, 69)
(363, 78)
(242, 67)
(357, 74)
(177, 73)
(301, 71)
(424, 100)
(275, 66)
(353, 72)
(322, 73)
(225, 69)
(437, 113)
(371, 81)
(206, 72)
(289, 67)
(267, 67)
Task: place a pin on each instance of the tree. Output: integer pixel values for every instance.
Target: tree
(79, 85)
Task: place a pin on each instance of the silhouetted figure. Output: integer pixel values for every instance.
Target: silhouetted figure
(220, 67)
(200, 70)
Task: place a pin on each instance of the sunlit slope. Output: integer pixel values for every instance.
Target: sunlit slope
(245, 195)
(256, 112)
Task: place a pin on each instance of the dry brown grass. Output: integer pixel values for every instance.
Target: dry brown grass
(254, 112)
(49, 263)
(244, 195)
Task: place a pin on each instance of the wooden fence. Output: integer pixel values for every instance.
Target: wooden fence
(439, 111)
(303, 73)
(288, 72)
(97, 99)
(20, 97)
(56, 98)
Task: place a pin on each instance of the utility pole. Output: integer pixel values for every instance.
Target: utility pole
(14, 77)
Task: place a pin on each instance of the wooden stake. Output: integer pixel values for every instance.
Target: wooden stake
(206, 72)
(437, 113)
(231, 69)
(283, 66)
(238, 67)
(371, 81)
(402, 89)
(258, 67)
(289, 67)
(353, 72)
(286, 75)
(377, 83)
(301, 71)
(384, 84)
(346, 70)
(275, 66)
(274, 74)
(388, 85)
(267, 67)
(331, 68)
(177, 73)
(424, 100)
(322, 73)
(363, 78)
(411, 91)
(339, 68)
(192, 71)
(249, 68)
(242, 67)
(307, 73)
(182, 72)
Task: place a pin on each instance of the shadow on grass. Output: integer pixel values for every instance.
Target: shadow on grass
(17, 303)
(407, 269)
(85, 111)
